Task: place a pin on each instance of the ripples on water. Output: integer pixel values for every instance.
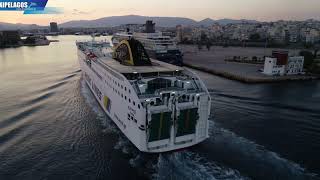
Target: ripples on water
(51, 127)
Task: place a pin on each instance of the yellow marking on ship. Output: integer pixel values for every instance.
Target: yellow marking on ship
(130, 60)
(105, 101)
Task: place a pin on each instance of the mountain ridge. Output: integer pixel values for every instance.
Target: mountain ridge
(112, 21)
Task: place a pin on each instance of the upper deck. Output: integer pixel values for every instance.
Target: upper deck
(157, 66)
(103, 53)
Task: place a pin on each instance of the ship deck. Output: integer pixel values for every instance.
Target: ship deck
(157, 66)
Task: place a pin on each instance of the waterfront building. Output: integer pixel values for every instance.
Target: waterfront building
(9, 38)
(293, 38)
(54, 27)
(312, 36)
(150, 27)
(271, 67)
(295, 65)
(281, 64)
(179, 33)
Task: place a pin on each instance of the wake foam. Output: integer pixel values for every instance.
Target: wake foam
(188, 165)
(254, 159)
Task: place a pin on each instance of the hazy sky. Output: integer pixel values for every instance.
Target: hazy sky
(265, 10)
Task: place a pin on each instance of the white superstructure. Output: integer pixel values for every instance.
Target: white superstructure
(293, 66)
(158, 106)
(271, 67)
(157, 45)
(151, 41)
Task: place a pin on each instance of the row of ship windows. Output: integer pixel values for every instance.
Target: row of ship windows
(125, 97)
(118, 84)
(118, 92)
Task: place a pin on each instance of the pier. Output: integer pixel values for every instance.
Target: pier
(213, 62)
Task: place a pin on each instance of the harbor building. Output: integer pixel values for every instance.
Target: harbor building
(54, 27)
(271, 67)
(179, 33)
(295, 65)
(281, 64)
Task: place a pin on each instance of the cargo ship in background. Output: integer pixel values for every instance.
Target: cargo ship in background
(158, 46)
(159, 107)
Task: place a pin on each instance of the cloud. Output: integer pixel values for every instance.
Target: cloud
(78, 12)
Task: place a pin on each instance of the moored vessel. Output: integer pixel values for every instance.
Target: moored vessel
(157, 45)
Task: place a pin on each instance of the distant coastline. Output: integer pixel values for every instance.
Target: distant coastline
(135, 19)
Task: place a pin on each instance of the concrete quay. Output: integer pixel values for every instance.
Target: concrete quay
(213, 62)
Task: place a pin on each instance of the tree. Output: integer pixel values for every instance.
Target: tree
(254, 58)
(208, 45)
(308, 58)
(203, 37)
(255, 37)
(199, 45)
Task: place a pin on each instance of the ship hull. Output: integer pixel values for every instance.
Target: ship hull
(130, 119)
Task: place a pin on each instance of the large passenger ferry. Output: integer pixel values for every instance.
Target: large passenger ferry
(157, 45)
(158, 106)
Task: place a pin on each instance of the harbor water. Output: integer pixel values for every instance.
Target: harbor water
(51, 127)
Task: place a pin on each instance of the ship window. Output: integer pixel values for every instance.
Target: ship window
(134, 103)
(139, 106)
(129, 100)
(129, 91)
(125, 88)
(122, 95)
(135, 121)
(125, 97)
(132, 117)
(121, 87)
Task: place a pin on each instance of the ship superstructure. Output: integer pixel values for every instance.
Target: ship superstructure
(157, 45)
(158, 106)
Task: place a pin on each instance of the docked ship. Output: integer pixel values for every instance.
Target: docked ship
(36, 40)
(158, 46)
(158, 106)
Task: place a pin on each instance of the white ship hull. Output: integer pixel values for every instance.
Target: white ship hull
(119, 101)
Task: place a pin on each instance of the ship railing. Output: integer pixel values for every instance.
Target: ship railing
(157, 92)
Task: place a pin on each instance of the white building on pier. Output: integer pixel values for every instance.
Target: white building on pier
(293, 66)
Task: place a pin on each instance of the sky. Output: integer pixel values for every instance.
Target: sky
(262, 10)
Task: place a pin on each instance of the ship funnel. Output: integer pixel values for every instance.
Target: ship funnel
(131, 53)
